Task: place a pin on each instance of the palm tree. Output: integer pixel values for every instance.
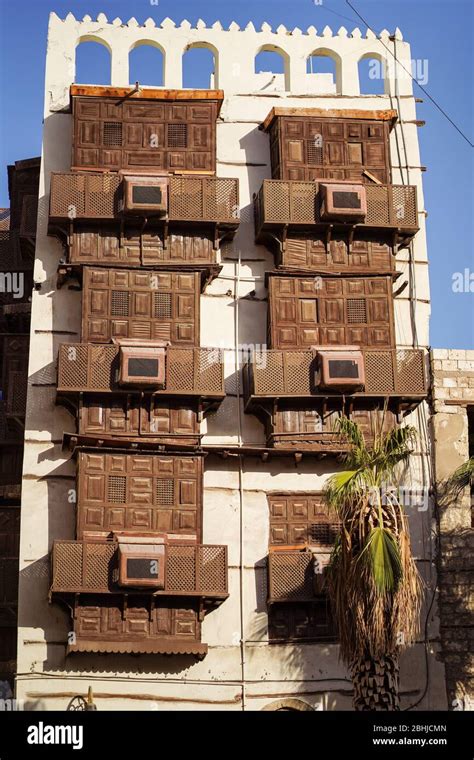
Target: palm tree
(372, 579)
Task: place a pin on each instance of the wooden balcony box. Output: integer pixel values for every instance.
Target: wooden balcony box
(396, 374)
(94, 368)
(192, 199)
(287, 205)
(89, 567)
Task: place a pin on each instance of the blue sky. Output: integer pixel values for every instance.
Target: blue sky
(438, 31)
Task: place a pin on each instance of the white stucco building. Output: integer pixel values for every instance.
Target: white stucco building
(241, 669)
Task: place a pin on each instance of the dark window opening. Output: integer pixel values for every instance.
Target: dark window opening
(147, 195)
(141, 567)
(142, 367)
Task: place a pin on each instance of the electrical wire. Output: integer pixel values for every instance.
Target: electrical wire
(422, 421)
(425, 91)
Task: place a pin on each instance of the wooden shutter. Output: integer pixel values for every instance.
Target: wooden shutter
(139, 492)
(301, 622)
(138, 135)
(310, 252)
(306, 424)
(119, 416)
(105, 619)
(119, 303)
(9, 552)
(9, 531)
(11, 462)
(100, 244)
(132, 417)
(373, 421)
(301, 519)
(344, 148)
(308, 311)
(165, 418)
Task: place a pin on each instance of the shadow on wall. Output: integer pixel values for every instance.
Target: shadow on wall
(307, 662)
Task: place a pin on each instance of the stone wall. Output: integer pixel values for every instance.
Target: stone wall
(452, 392)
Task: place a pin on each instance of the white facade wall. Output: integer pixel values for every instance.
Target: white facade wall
(241, 671)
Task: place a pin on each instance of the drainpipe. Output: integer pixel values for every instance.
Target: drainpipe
(241, 495)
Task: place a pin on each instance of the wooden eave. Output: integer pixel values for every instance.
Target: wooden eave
(331, 113)
(145, 93)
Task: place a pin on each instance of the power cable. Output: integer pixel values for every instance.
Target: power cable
(413, 78)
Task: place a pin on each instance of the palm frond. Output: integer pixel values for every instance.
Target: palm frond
(351, 431)
(373, 581)
(348, 486)
(463, 476)
(393, 447)
(382, 552)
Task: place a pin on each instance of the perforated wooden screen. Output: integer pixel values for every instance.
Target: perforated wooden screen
(311, 252)
(23, 181)
(103, 245)
(11, 462)
(301, 622)
(138, 135)
(120, 303)
(139, 492)
(93, 367)
(134, 417)
(290, 372)
(304, 148)
(84, 567)
(299, 608)
(305, 311)
(9, 552)
(14, 373)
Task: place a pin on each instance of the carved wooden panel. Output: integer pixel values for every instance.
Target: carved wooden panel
(11, 463)
(119, 303)
(301, 622)
(298, 519)
(23, 180)
(297, 424)
(9, 531)
(132, 417)
(141, 135)
(9, 552)
(103, 245)
(139, 492)
(305, 311)
(104, 618)
(301, 519)
(308, 252)
(305, 148)
(13, 356)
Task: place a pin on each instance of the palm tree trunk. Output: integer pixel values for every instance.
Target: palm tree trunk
(375, 683)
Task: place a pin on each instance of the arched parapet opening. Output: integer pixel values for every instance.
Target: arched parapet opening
(375, 74)
(324, 69)
(200, 66)
(146, 63)
(272, 69)
(93, 60)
